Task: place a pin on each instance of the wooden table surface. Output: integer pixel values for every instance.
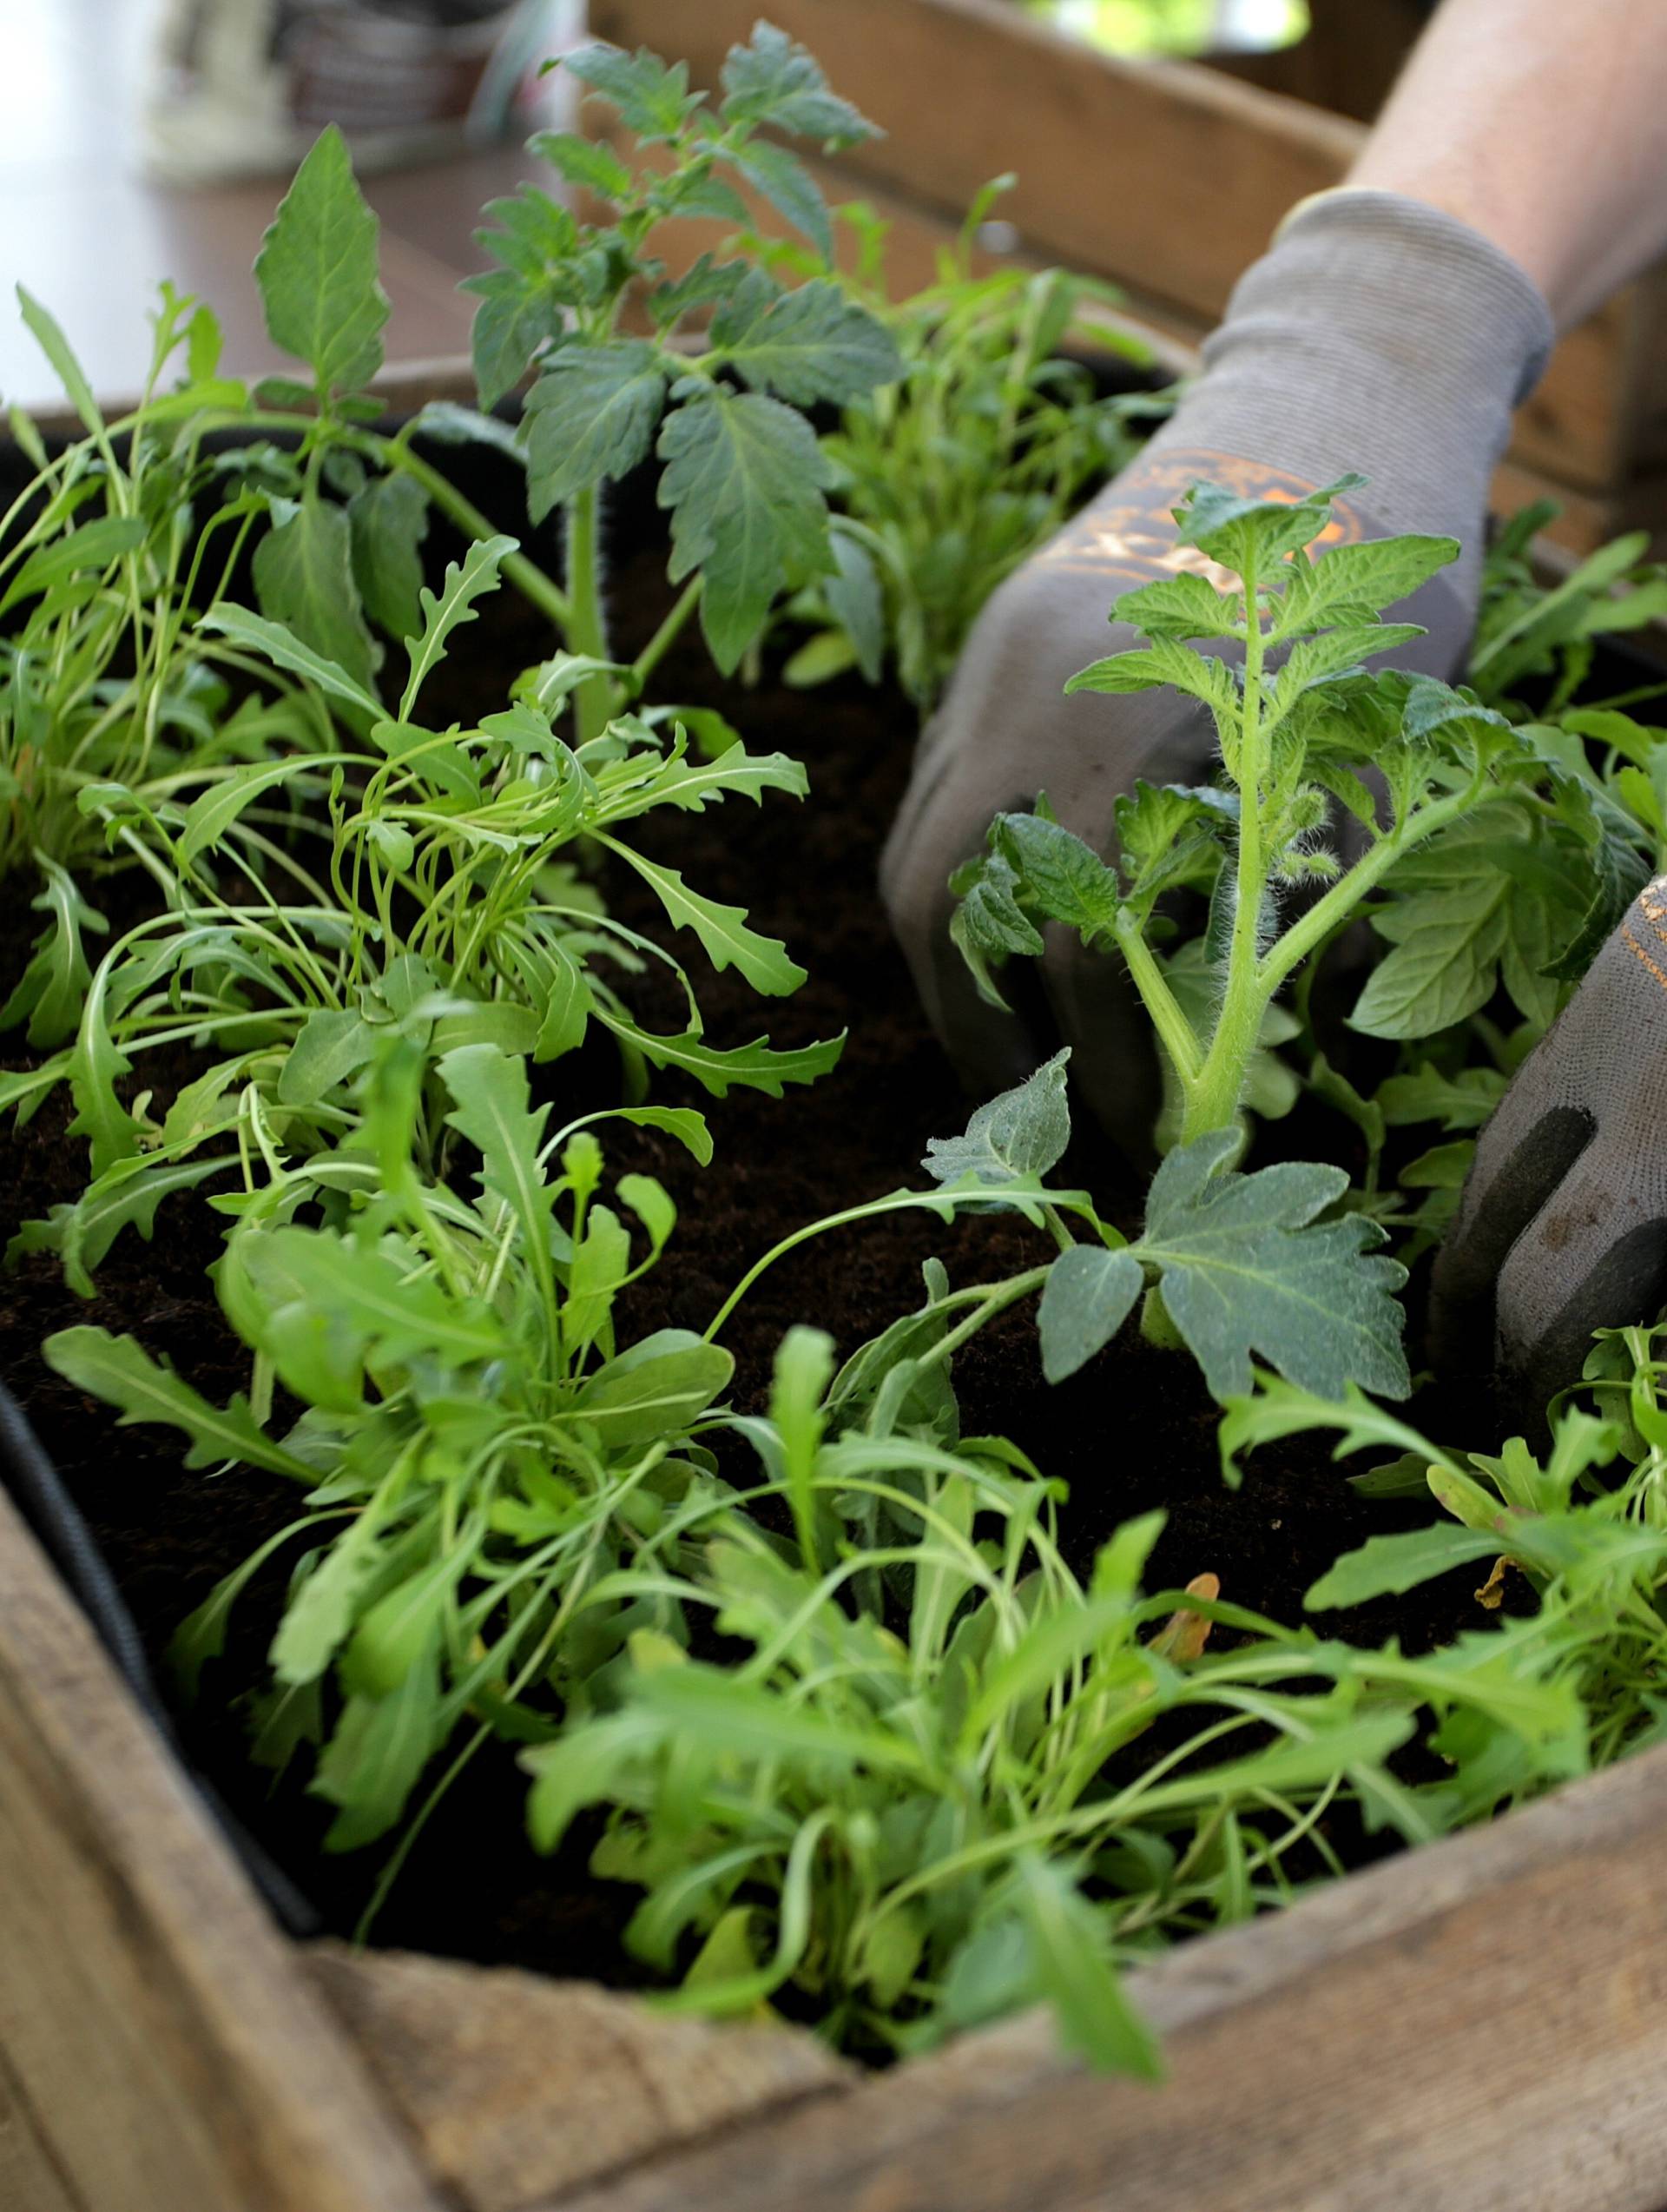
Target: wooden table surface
(91, 240)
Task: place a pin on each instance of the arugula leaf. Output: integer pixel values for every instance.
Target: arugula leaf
(378, 1309)
(52, 342)
(210, 818)
(118, 1371)
(489, 1107)
(95, 1066)
(757, 1067)
(376, 1756)
(90, 545)
(459, 589)
(331, 1046)
(126, 1196)
(1070, 1968)
(275, 643)
(744, 480)
(568, 1004)
(658, 1388)
(721, 930)
(1388, 1566)
(53, 986)
(316, 272)
(1247, 1270)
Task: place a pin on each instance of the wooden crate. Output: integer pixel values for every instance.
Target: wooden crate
(1168, 177)
(1479, 2024)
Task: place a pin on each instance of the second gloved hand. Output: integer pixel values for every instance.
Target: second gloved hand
(1377, 336)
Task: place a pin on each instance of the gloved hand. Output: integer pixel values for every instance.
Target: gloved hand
(1562, 1225)
(1379, 336)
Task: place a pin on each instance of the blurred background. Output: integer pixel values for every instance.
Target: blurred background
(147, 138)
(1152, 145)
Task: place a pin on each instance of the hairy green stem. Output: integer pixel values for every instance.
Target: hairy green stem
(1212, 1099)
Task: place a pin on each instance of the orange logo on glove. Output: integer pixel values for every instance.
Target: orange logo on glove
(1137, 539)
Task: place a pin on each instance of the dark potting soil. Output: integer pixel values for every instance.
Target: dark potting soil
(1133, 1431)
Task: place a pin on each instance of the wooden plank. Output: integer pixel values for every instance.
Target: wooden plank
(1166, 176)
(519, 2087)
(30, 2179)
(1480, 2026)
(153, 2024)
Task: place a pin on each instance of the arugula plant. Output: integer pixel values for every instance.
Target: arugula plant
(445, 907)
(744, 476)
(1574, 1532)
(907, 1806)
(121, 540)
(476, 1447)
(951, 477)
(1297, 727)
(1530, 632)
(906, 1809)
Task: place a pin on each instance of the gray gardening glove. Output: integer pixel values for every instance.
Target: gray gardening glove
(1379, 336)
(1562, 1225)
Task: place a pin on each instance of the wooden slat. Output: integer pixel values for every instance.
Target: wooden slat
(30, 2180)
(1166, 176)
(154, 2028)
(520, 2088)
(1478, 2027)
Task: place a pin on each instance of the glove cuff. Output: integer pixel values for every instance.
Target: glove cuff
(1403, 264)
(1377, 333)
